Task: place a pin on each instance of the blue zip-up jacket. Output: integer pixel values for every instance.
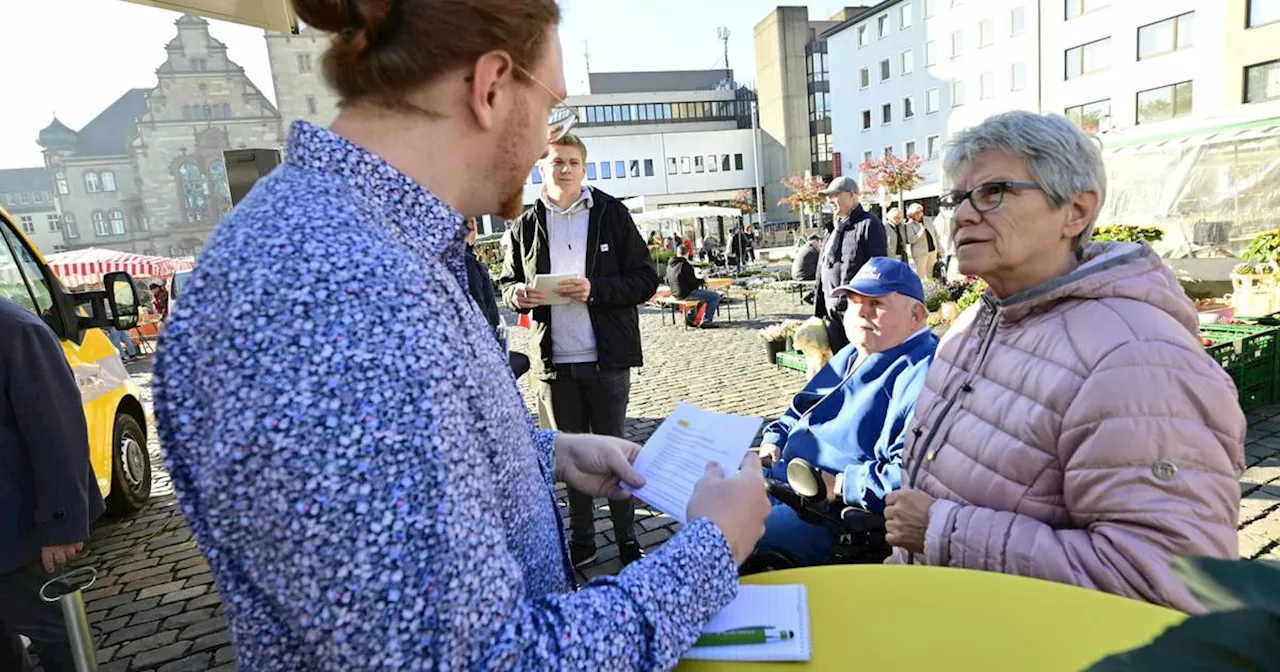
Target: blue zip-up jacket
(852, 418)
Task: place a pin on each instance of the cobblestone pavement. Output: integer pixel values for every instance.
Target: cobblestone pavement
(154, 606)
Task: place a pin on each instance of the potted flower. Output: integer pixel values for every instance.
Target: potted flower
(789, 333)
(775, 339)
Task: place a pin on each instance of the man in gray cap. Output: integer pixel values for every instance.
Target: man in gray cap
(857, 237)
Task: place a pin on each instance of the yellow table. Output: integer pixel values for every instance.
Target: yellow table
(887, 617)
(719, 283)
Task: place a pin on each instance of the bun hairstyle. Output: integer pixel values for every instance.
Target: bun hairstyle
(383, 49)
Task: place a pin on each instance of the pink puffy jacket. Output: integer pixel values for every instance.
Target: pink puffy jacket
(1078, 432)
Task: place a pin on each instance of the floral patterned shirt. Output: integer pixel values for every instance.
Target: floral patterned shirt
(352, 452)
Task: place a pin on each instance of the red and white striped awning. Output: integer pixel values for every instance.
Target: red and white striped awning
(87, 266)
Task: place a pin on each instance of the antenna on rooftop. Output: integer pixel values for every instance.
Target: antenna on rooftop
(722, 34)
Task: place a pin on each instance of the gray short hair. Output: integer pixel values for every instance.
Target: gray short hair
(1061, 158)
(914, 208)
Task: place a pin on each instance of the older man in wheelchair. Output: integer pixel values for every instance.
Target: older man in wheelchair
(836, 453)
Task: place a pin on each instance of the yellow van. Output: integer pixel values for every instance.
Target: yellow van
(112, 403)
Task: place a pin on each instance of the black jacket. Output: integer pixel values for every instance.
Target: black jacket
(681, 278)
(805, 267)
(48, 492)
(618, 267)
(854, 241)
(481, 288)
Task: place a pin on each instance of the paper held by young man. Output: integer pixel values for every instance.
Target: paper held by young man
(676, 456)
(547, 283)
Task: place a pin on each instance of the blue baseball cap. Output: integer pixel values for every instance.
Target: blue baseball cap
(882, 276)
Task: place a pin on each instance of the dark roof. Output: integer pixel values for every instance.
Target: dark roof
(190, 20)
(29, 180)
(859, 16)
(110, 132)
(57, 136)
(660, 81)
(25, 179)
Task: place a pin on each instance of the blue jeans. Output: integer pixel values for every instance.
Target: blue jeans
(712, 299)
(123, 343)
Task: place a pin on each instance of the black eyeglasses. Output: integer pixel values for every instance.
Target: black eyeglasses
(984, 197)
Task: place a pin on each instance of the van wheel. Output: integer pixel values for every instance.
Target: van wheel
(130, 467)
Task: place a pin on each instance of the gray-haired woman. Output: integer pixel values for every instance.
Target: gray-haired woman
(1071, 428)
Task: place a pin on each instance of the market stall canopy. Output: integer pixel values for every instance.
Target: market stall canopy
(270, 14)
(87, 266)
(688, 212)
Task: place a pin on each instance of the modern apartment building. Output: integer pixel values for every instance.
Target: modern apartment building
(27, 194)
(666, 139)
(906, 75)
(792, 81)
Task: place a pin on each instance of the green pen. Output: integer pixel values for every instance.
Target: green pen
(756, 635)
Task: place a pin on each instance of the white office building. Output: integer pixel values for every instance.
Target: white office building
(664, 138)
(907, 74)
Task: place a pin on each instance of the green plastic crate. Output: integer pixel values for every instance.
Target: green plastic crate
(793, 359)
(1248, 354)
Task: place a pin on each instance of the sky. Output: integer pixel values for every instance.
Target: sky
(73, 58)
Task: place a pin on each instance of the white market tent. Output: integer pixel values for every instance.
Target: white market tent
(87, 266)
(684, 212)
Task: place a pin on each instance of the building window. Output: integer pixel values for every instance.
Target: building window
(931, 147)
(931, 101)
(633, 168)
(226, 110)
(737, 162)
(864, 77)
(304, 63)
(986, 86)
(725, 165)
(673, 168)
(884, 70)
(886, 114)
(1164, 103)
(1077, 7)
(957, 93)
(866, 120)
(591, 170)
(194, 190)
(882, 26)
(1088, 58)
(685, 167)
(606, 171)
(986, 32)
(311, 105)
(930, 6)
(536, 175)
(69, 221)
(117, 223)
(1091, 117)
(957, 43)
(54, 225)
(140, 222)
(713, 164)
(1017, 20)
(908, 107)
(1018, 76)
(867, 156)
(199, 64)
(698, 165)
(100, 224)
(930, 53)
(60, 179)
(863, 39)
(1262, 12)
(22, 197)
(108, 181)
(28, 224)
(619, 169)
(648, 167)
(91, 183)
(909, 148)
(887, 151)
(1262, 82)
(1166, 36)
(904, 16)
(908, 61)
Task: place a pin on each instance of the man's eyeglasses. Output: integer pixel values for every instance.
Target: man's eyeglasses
(562, 117)
(984, 197)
